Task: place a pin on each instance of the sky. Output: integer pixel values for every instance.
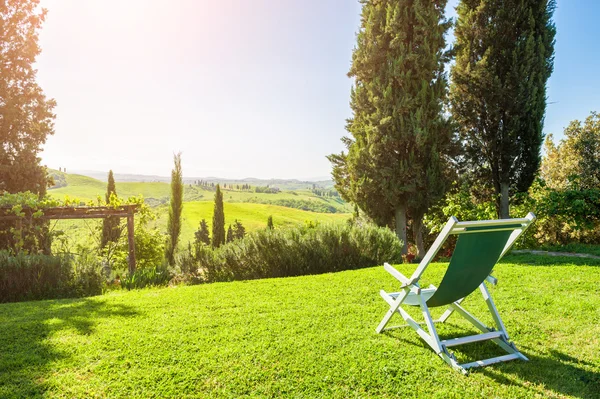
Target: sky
(243, 88)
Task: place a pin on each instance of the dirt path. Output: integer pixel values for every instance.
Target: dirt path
(571, 254)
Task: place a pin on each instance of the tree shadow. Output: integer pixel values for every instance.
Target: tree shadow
(26, 332)
(553, 370)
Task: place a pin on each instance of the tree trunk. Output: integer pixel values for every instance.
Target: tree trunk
(401, 226)
(504, 214)
(418, 236)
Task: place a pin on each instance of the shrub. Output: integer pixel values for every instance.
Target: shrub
(30, 277)
(306, 250)
(149, 277)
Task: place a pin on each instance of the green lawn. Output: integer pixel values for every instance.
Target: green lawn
(306, 337)
(252, 216)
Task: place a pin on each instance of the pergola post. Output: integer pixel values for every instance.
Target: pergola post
(131, 239)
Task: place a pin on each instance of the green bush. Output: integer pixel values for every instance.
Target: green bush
(305, 205)
(29, 277)
(149, 277)
(564, 216)
(294, 252)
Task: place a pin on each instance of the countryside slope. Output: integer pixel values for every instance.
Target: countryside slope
(251, 208)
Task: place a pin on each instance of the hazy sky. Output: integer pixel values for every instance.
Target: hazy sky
(244, 88)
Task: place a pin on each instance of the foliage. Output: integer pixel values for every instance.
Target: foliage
(230, 237)
(175, 210)
(149, 242)
(59, 179)
(396, 155)
(26, 118)
(239, 231)
(461, 203)
(149, 277)
(575, 162)
(218, 223)
(266, 190)
(504, 56)
(31, 276)
(202, 235)
(110, 225)
(31, 234)
(306, 205)
(306, 250)
(563, 216)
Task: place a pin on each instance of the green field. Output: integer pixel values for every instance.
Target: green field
(86, 188)
(308, 337)
(244, 206)
(252, 216)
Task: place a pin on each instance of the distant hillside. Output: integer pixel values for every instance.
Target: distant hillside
(283, 184)
(87, 188)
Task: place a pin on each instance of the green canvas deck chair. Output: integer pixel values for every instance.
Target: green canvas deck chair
(479, 246)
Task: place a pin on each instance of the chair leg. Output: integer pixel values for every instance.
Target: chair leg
(393, 308)
(492, 307)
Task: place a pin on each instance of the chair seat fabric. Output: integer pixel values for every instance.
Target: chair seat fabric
(474, 257)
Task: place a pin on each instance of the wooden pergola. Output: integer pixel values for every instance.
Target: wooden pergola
(80, 212)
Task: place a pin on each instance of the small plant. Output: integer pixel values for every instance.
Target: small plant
(150, 277)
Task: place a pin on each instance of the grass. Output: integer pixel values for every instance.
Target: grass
(86, 188)
(252, 216)
(306, 337)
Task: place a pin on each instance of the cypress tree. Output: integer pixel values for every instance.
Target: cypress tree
(399, 137)
(175, 209)
(218, 223)
(504, 56)
(230, 234)
(239, 231)
(202, 235)
(110, 225)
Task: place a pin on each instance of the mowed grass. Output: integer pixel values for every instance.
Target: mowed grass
(252, 216)
(308, 337)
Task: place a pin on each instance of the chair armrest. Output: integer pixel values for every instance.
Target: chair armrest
(491, 279)
(397, 275)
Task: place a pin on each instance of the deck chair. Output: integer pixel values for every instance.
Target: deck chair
(479, 246)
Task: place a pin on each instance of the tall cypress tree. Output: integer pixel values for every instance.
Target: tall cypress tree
(395, 156)
(218, 224)
(504, 56)
(110, 225)
(175, 210)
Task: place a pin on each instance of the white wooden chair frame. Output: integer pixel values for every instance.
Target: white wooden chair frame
(412, 294)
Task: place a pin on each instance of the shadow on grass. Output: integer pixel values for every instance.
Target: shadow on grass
(553, 370)
(26, 330)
